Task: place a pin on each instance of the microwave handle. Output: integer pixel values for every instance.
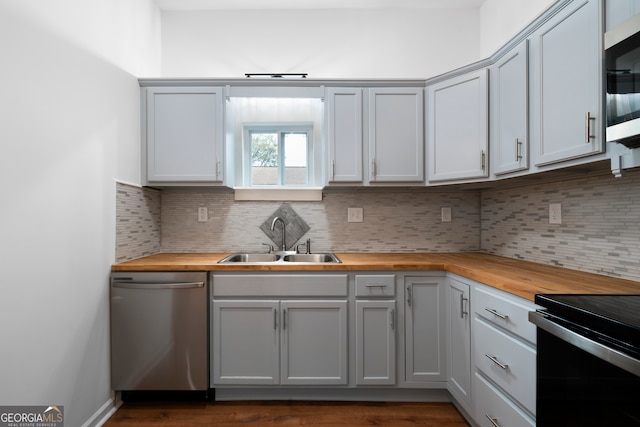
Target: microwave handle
(621, 360)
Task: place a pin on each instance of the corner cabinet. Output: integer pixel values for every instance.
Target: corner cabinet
(567, 121)
(458, 127)
(510, 111)
(344, 135)
(459, 342)
(396, 135)
(184, 136)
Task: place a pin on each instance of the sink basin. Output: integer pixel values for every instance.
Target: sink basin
(246, 258)
(312, 258)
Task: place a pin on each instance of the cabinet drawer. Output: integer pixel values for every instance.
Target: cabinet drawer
(370, 286)
(491, 403)
(506, 311)
(508, 362)
(280, 285)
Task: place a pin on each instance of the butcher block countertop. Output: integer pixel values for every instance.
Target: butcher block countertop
(521, 278)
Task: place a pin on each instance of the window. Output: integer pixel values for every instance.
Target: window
(278, 154)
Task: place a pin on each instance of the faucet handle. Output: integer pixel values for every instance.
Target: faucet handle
(307, 246)
(270, 246)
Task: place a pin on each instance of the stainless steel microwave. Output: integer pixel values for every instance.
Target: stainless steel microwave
(622, 55)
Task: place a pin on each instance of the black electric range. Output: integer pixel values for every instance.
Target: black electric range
(588, 360)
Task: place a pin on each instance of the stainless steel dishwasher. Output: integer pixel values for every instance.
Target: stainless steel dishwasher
(159, 331)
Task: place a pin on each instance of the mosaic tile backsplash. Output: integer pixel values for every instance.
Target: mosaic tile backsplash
(600, 230)
(394, 221)
(137, 222)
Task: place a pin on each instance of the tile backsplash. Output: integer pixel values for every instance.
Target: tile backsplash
(600, 230)
(137, 222)
(394, 221)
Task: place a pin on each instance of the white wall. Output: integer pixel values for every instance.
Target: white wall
(327, 43)
(69, 125)
(501, 20)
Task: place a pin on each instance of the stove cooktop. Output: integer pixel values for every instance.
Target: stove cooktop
(610, 317)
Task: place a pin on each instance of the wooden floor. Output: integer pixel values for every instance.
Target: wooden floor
(286, 413)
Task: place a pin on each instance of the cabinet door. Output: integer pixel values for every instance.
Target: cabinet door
(314, 342)
(457, 127)
(396, 136)
(344, 134)
(375, 342)
(566, 89)
(509, 108)
(459, 342)
(184, 133)
(424, 329)
(246, 342)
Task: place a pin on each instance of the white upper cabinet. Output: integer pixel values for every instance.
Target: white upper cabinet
(396, 135)
(457, 127)
(184, 135)
(344, 135)
(509, 112)
(566, 84)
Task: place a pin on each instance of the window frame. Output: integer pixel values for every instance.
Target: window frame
(279, 128)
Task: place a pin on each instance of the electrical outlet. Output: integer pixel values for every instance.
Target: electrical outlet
(445, 214)
(203, 214)
(555, 213)
(355, 215)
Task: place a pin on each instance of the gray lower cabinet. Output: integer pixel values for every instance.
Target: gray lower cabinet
(424, 329)
(287, 342)
(459, 342)
(376, 326)
(279, 329)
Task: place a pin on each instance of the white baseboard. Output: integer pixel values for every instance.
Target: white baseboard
(103, 413)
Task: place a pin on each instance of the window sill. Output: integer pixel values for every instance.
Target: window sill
(281, 194)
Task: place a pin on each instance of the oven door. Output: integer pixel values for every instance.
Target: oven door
(580, 381)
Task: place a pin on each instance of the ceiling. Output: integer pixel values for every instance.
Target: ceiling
(315, 4)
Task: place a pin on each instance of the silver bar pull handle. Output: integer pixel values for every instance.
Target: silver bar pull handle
(373, 169)
(588, 135)
(333, 169)
(218, 169)
(462, 300)
(275, 319)
(150, 286)
(482, 159)
(518, 150)
(493, 421)
(495, 360)
(375, 286)
(284, 318)
(409, 296)
(496, 313)
(393, 319)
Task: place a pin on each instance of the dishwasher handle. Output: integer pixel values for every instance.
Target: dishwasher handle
(154, 286)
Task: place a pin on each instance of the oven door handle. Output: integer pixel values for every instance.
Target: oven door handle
(601, 351)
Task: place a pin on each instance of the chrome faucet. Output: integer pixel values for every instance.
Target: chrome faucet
(284, 231)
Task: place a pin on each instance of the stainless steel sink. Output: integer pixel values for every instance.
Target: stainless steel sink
(312, 258)
(246, 258)
(249, 258)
